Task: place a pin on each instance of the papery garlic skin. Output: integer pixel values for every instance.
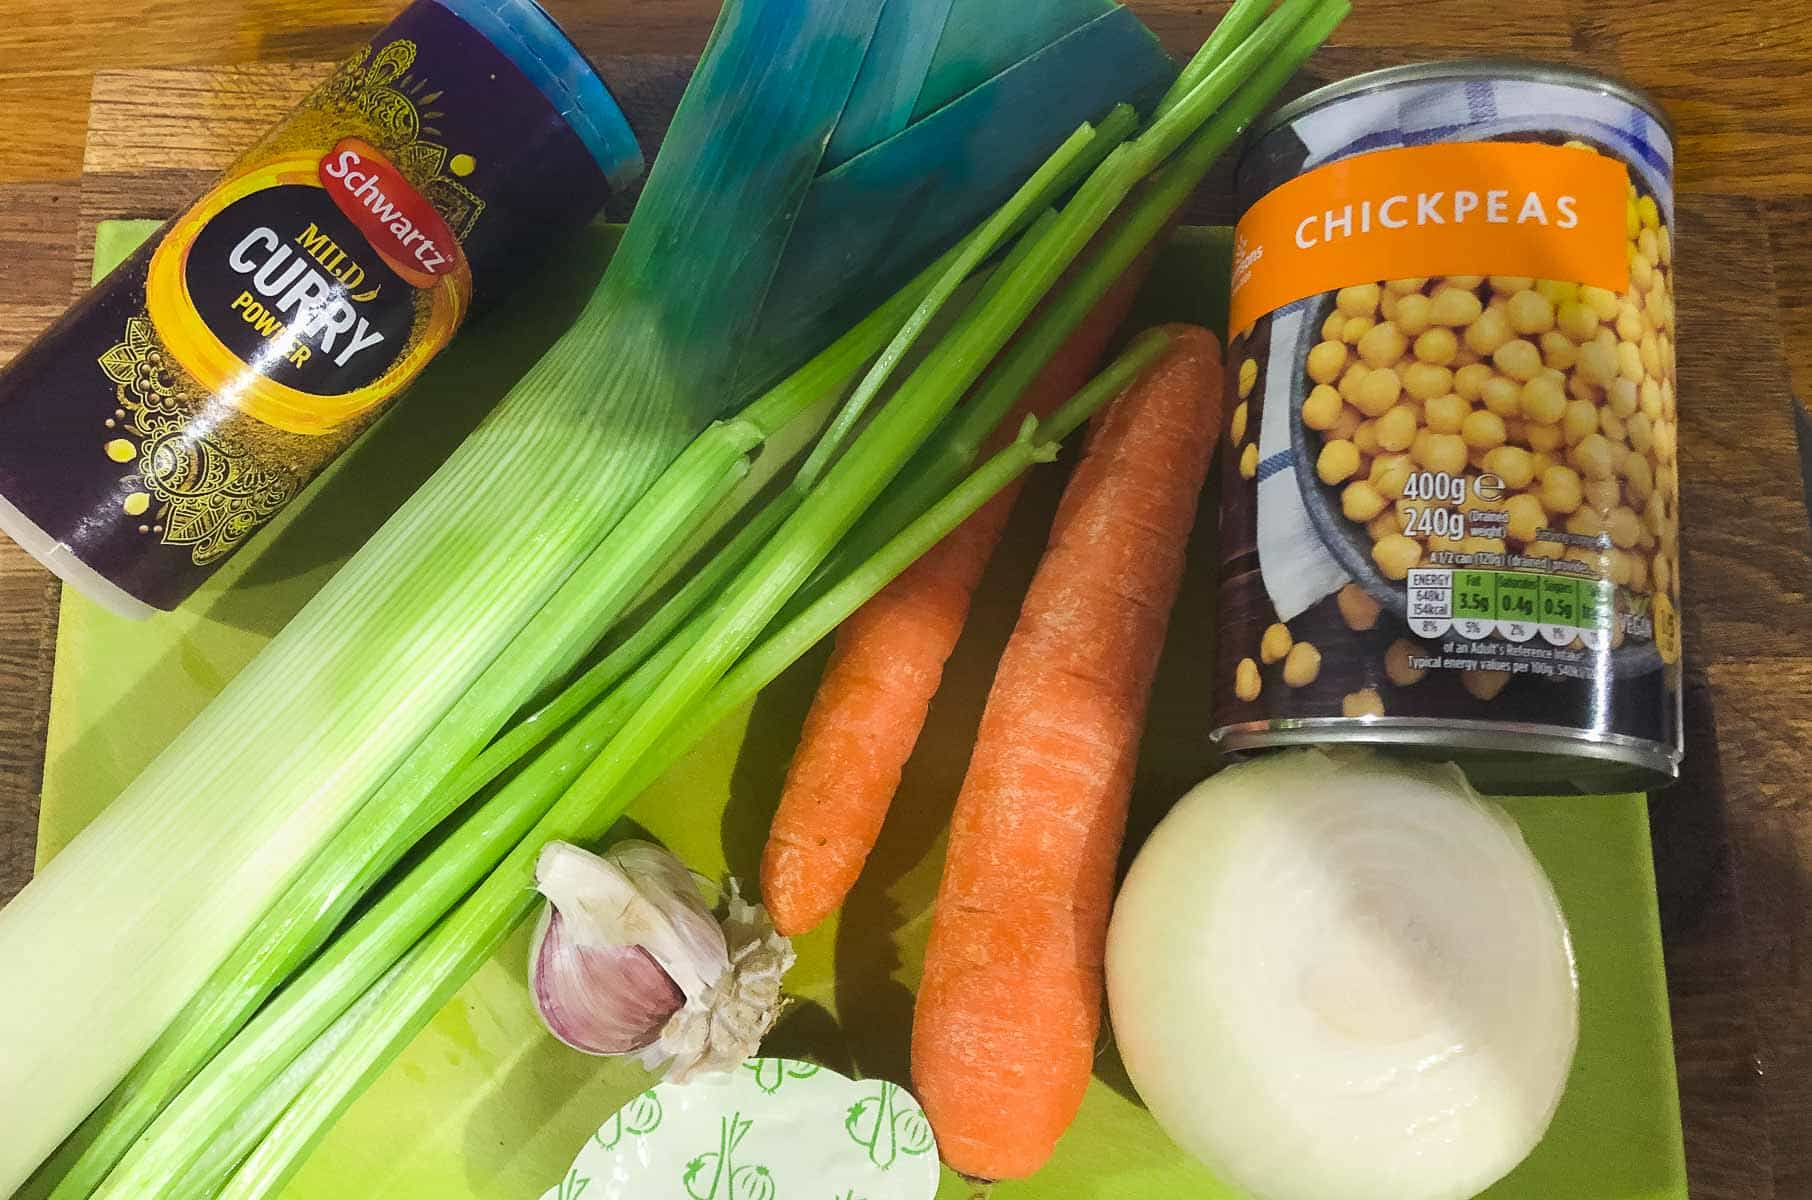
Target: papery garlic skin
(629, 959)
(727, 1024)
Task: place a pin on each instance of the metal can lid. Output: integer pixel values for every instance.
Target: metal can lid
(1500, 757)
(530, 38)
(1462, 68)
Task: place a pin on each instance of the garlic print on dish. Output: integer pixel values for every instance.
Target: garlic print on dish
(716, 1175)
(638, 1118)
(886, 1128)
(771, 1073)
(772, 1129)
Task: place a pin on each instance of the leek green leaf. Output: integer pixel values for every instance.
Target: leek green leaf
(979, 33)
(894, 71)
(871, 222)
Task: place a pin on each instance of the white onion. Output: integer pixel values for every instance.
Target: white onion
(1339, 977)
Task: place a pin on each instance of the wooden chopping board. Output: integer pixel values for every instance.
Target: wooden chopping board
(1733, 843)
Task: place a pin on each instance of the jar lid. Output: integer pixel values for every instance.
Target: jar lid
(528, 37)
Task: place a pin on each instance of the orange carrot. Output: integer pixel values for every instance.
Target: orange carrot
(1003, 1036)
(887, 665)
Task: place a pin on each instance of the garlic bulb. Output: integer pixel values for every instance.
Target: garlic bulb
(628, 958)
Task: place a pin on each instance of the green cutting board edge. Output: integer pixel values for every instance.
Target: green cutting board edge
(485, 1105)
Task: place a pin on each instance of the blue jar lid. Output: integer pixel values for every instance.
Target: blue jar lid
(528, 37)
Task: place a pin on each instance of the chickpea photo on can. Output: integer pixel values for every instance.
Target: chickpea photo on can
(1552, 402)
(1511, 419)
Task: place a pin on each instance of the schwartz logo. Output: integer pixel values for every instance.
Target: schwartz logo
(396, 219)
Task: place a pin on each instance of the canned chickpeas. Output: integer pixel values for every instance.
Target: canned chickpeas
(1450, 521)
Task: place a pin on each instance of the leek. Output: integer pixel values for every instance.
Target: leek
(974, 29)
(878, 209)
(417, 798)
(411, 906)
(172, 874)
(891, 79)
(1047, 180)
(1164, 197)
(420, 794)
(643, 719)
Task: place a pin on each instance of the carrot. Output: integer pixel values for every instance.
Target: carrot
(1003, 1036)
(887, 664)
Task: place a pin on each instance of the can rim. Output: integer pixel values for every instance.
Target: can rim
(1475, 67)
(1657, 760)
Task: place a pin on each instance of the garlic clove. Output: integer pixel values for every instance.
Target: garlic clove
(625, 939)
(691, 944)
(599, 999)
(636, 895)
(629, 959)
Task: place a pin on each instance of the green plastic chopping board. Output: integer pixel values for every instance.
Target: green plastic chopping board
(485, 1105)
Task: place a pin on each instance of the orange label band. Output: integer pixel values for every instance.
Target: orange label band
(1456, 208)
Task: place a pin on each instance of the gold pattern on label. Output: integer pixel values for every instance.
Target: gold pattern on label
(211, 489)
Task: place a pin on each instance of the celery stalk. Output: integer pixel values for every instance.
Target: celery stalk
(478, 924)
(785, 643)
(252, 1121)
(782, 647)
(488, 832)
(1235, 26)
(704, 582)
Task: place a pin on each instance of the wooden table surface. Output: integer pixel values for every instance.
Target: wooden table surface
(1733, 842)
